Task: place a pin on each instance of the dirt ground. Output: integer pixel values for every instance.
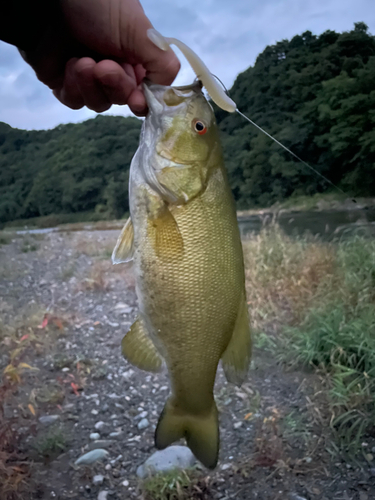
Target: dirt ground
(60, 294)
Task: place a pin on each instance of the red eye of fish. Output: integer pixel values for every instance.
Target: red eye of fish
(199, 127)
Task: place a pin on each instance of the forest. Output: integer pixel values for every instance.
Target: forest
(315, 94)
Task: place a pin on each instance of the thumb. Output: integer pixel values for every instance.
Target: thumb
(161, 66)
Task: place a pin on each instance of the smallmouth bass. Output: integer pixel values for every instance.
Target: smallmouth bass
(184, 241)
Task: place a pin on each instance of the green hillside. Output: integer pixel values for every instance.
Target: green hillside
(315, 94)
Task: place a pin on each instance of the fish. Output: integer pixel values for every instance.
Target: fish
(183, 238)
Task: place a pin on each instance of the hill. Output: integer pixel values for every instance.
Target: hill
(313, 93)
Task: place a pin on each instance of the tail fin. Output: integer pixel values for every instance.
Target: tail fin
(201, 432)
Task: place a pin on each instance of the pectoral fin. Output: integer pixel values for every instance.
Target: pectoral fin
(139, 350)
(123, 251)
(165, 234)
(236, 358)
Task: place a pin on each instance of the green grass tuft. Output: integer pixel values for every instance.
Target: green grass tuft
(320, 299)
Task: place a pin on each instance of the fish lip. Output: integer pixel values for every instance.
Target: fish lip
(154, 92)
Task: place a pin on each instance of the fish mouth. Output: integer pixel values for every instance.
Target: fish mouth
(158, 97)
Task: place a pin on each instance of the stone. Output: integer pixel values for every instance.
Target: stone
(237, 425)
(94, 436)
(294, 496)
(48, 419)
(101, 443)
(128, 374)
(142, 415)
(91, 457)
(143, 424)
(173, 457)
(99, 425)
(115, 434)
(97, 480)
(125, 483)
(103, 495)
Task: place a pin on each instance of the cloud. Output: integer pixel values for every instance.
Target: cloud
(227, 35)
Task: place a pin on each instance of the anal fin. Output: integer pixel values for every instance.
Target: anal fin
(236, 357)
(138, 348)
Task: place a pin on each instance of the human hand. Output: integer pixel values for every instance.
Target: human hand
(96, 53)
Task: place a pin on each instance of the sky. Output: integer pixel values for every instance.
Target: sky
(227, 35)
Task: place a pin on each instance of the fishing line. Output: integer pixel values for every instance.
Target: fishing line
(282, 145)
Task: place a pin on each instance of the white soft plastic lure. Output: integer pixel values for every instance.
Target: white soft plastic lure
(215, 90)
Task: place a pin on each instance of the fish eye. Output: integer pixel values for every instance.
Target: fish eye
(199, 127)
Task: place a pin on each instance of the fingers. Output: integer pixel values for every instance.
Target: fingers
(99, 85)
(161, 66)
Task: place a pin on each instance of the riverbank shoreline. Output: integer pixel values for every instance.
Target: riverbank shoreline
(61, 222)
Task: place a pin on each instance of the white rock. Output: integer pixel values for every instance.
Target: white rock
(91, 457)
(94, 412)
(173, 457)
(125, 483)
(94, 436)
(143, 424)
(127, 374)
(97, 480)
(142, 415)
(103, 495)
(237, 425)
(48, 419)
(99, 425)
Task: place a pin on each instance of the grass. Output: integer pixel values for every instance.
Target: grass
(52, 443)
(5, 239)
(175, 485)
(313, 304)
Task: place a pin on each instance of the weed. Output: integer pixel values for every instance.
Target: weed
(52, 443)
(51, 394)
(176, 485)
(5, 239)
(322, 296)
(29, 245)
(68, 271)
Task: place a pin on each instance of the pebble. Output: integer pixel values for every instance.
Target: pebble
(126, 375)
(237, 425)
(94, 412)
(101, 443)
(115, 434)
(103, 495)
(142, 415)
(125, 483)
(48, 419)
(294, 496)
(94, 436)
(99, 425)
(143, 424)
(97, 480)
(91, 457)
(173, 457)
(108, 467)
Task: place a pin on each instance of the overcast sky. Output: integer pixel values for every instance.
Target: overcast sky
(228, 36)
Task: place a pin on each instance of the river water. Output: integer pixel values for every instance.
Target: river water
(327, 225)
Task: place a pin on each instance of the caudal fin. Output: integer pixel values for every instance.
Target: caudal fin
(201, 432)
